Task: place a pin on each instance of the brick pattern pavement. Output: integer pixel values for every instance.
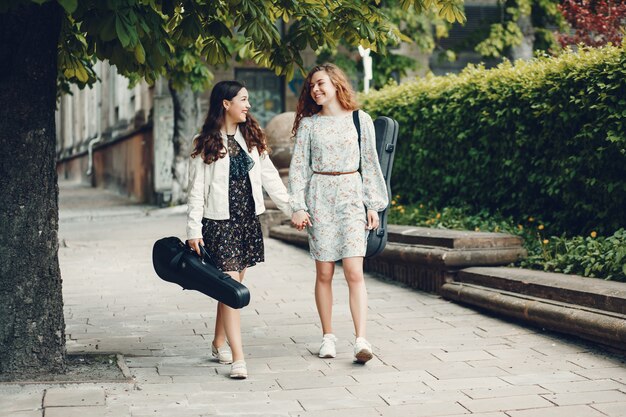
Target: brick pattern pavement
(432, 357)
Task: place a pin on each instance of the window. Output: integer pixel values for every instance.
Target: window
(267, 92)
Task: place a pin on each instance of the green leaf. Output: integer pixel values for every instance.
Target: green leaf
(122, 32)
(69, 5)
(140, 53)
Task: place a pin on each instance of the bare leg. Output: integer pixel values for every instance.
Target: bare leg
(324, 293)
(353, 271)
(219, 337)
(232, 323)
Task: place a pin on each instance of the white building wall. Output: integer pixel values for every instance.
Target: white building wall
(108, 108)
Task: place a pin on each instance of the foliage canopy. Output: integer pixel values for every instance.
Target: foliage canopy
(143, 37)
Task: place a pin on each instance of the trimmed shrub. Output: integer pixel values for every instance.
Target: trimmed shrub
(545, 137)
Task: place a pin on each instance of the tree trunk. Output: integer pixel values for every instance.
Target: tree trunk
(32, 328)
(186, 112)
(525, 50)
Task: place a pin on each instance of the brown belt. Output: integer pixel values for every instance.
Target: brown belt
(334, 173)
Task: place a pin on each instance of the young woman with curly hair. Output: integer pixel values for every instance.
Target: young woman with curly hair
(336, 190)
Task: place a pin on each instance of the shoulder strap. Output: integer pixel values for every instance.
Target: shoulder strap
(357, 124)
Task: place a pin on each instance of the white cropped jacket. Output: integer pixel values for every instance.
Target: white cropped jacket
(208, 187)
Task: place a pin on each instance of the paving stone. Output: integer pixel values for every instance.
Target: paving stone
(577, 410)
(14, 401)
(32, 413)
(558, 349)
(344, 400)
(208, 398)
(401, 393)
(507, 391)
(406, 365)
(167, 370)
(143, 362)
(74, 396)
(254, 383)
(584, 386)
(347, 364)
(590, 360)
(465, 383)
(149, 376)
(302, 381)
(271, 351)
(539, 378)
(456, 370)
(463, 356)
(615, 373)
(521, 402)
(412, 323)
(384, 377)
(587, 397)
(423, 410)
(611, 409)
(343, 412)
(78, 412)
(495, 414)
(525, 365)
(261, 408)
(514, 353)
(171, 411)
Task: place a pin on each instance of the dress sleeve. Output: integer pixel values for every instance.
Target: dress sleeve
(195, 198)
(375, 196)
(300, 167)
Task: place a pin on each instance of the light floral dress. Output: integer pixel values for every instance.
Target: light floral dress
(337, 204)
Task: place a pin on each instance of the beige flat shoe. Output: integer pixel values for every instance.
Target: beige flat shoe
(238, 370)
(222, 354)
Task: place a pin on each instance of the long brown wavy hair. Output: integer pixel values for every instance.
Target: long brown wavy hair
(308, 107)
(209, 143)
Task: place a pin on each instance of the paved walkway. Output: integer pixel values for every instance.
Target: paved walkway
(432, 357)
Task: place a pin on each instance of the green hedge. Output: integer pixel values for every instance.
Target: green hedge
(542, 138)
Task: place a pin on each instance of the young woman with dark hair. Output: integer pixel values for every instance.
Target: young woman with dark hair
(336, 190)
(228, 171)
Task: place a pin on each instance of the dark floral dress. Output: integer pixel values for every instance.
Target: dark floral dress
(236, 243)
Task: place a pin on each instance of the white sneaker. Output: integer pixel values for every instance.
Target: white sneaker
(362, 350)
(328, 349)
(238, 370)
(223, 353)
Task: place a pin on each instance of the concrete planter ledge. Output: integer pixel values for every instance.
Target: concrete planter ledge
(588, 308)
(599, 326)
(598, 294)
(451, 239)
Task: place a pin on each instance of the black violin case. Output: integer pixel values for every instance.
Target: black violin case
(176, 262)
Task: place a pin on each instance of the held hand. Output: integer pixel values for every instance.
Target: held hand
(301, 219)
(372, 220)
(195, 245)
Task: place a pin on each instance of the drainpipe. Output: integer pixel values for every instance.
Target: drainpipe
(92, 142)
(98, 137)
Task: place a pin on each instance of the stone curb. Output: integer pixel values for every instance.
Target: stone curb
(594, 325)
(609, 296)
